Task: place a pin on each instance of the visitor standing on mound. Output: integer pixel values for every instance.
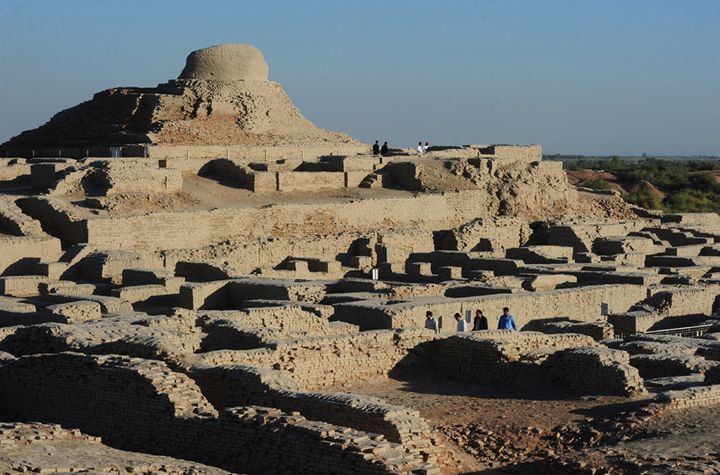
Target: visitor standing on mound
(431, 322)
(506, 322)
(480, 322)
(420, 148)
(376, 148)
(384, 150)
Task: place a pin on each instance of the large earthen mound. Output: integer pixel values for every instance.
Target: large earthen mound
(222, 98)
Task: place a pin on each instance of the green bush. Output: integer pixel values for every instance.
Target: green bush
(596, 184)
(693, 201)
(644, 199)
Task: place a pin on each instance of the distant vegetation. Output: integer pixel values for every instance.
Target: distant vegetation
(686, 185)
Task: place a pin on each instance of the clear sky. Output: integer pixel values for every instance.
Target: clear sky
(577, 76)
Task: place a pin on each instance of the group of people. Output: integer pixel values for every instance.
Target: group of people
(378, 150)
(384, 150)
(480, 322)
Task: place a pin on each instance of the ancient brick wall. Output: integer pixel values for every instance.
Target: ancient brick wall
(582, 304)
(499, 357)
(594, 370)
(354, 358)
(238, 385)
(142, 405)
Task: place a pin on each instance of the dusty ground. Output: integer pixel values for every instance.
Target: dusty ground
(483, 430)
(678, 442)
(201, 193)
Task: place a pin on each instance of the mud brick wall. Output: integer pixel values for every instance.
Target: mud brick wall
(142, 405)
(141, 179)
(333, 361)
(101, 337)
(594, 370)
(262, 326)
(193, 229)
(661, 365)
(266, 253)
(240, 290)
(13, 222)
(290, 318)
(629, 323)
(227, 335)
(488, 234)
(582, 236)
(596, 330)
(232, 293)
(20, 253)
(582, 304)
(178, 154)
(685, 398)
(310, 181)
(685, 301)
(96, 393)
(237, 385)
(497, 356)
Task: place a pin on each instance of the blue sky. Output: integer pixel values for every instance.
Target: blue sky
(592, 77)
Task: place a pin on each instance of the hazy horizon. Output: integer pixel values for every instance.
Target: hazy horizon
(588, 78)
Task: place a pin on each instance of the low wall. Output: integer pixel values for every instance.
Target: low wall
(498, 357)
(141, 405)
(581, 303)
(681, 301)
(354, 358)
(232, 293)
(663, 365)
(19, 254)
(701, 396)
(594, 370)
(599, 330)
(180, 152)
(237, 385)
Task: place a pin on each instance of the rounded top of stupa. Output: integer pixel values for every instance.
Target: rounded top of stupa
(227, 62)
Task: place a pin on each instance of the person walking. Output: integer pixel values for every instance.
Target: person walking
(431, 322)
(384, 150)
(506, 322)
(462, 325)
(480, 322)
(376, 148)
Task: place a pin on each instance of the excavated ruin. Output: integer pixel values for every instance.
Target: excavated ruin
(204, 282)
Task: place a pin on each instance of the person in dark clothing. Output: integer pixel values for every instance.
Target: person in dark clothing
(384, 150)
(376, 148)
(480, 322)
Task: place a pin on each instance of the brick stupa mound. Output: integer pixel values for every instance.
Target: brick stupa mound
(221, 98)
(228, 62)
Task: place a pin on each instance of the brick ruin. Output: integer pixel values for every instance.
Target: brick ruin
(214, 307)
